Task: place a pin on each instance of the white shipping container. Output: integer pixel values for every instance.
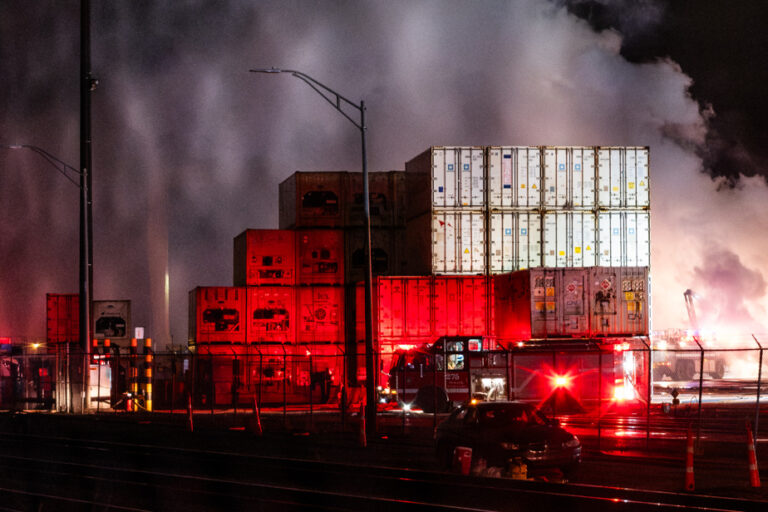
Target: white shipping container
(569, 239)
(569, 177)
(624, 239)
(112, 320)
(514, 177)
(458, 239)
(453, 177)
(622, 177)
(515, 241)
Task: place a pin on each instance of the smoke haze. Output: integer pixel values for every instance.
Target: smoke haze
(189, 148)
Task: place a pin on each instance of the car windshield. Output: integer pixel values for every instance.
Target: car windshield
(499, 415)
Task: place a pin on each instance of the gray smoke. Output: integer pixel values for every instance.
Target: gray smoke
(189, 148)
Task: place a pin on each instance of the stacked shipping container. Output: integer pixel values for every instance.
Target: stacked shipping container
(543, 206)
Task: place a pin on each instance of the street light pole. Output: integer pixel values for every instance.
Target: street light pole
(337, 101)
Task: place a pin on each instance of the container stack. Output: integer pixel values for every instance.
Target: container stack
(505, 208)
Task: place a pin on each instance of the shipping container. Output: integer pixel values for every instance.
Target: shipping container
(62, 318)
(618, 299)
(265, 257)
(401, 308)
(385, 252)
(623, 177)
(112, 320)
(320, 256)
(515, 241)
(571, 302)
(383, 199)
(535, 304)
(271, 314)
(569, 177)
(320, 314)
(445, 177)
(401, 195)
(623, 239)
(217, 315)
(313, 199)
(461, 306)
(447, 242)
(569, 239)
(514, 177)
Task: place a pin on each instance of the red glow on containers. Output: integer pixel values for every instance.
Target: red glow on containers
(312, 199)
(265, 257)
(271, 314)
(461, 305)
(320, 256)
(62, 318)
(320, 314)
(217, 314)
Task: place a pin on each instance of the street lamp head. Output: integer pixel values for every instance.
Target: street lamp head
(266, 70)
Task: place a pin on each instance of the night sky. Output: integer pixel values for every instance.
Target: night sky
(189, 148)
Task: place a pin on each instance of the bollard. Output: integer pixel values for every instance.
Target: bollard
(256, 418)
(754, 475)
(190, 424)
(689, 482)
(362, 438)
(148, 355)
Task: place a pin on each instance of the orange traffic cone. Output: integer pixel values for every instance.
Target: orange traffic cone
(256, 418)
(689, 483)
(191, 424)
(754, 476)
(363, 440)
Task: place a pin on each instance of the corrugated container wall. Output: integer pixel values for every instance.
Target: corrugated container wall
(578, 302)
(386, 246)
(112, 320)
(264, 257)
(447, 242)
(618, 300)
(217, 315)
(515, 241)
(383, 199)
(624, 238)
(569, 239)
(445, 177)
(313, 199)
(622, 177)
(410, 310)
(569, 177)
(514, 177)
(271, 316)
(62, 319)
(320, 256)
(320, 314)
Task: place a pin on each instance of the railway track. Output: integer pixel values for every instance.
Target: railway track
(60, 473)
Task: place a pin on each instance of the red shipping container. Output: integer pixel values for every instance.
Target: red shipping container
(62, 318)
(217, 315)
(313, 199)
(461, 305)
(401, 308)
(320, 256)
(271, 314)
(320, 314)
(264, 257)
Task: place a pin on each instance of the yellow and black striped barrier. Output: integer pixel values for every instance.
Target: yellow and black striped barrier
(148, 355)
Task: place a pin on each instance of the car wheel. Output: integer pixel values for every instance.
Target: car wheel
(432, 399)
(719, 369)
(569, 470)
(685, 369)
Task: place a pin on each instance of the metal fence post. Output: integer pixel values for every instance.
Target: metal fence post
(759, 383)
